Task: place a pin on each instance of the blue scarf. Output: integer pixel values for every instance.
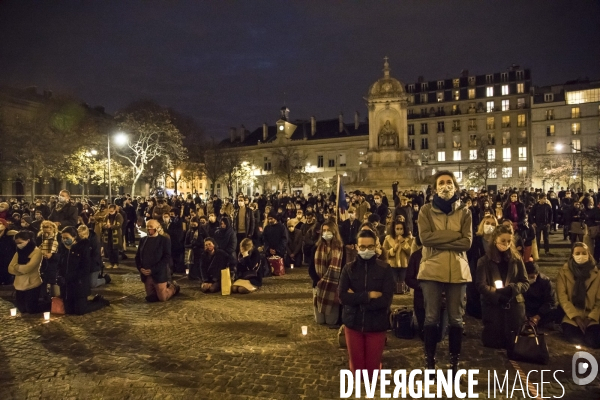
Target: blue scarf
(444, 205)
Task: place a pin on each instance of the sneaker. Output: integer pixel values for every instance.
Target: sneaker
(107, 278)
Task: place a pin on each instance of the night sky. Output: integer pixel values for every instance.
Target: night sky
(228, 63)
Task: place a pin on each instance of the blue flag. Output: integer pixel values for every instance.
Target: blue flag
(342, 203)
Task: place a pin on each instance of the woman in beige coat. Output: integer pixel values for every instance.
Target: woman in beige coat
(578, 290)
(398, 244)
(25, 266)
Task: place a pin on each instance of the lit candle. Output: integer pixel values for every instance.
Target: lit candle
(498, 284)
(47, 315)
(578, 347)
(304, 330)
(13, 312)
(187, 271)
(292, 266)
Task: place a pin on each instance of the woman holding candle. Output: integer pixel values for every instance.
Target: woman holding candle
(25, 266)
(366, 290)
(578, 290)
(445, 231)
(74, 274)
(501, 280)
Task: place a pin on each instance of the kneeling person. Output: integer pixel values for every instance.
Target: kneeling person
(213, 261)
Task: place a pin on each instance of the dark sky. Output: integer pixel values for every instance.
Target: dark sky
(228, 63)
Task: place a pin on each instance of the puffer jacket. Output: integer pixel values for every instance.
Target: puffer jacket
(359, 312)
(565, 282)
(445, 238)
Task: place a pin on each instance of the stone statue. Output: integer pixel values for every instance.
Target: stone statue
(388, 137)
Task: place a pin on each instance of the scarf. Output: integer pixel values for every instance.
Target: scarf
(444, 205)
(49, 245)
(581, 273)
(328, 264)
(24, 253)
(513, 212)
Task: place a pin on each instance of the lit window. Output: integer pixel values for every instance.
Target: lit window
(441, 156)
(440, 96)
(472, 154)
(576, 144)
(506, 121)
(504, 90)
(576, 128)
(520, 88)
(522, 172)
(522, 153)
(489, 91)
(507, 172)
(457, 95)
(490, 106)
(521, 120)
(505, 105)
(492, 173)
(506, 154)
(490, 123)
(456, 141)
(471, 93)
(575, 112)
(491, 154)
(583, 96)
(550, 130)
(505, 138)
(457, 155)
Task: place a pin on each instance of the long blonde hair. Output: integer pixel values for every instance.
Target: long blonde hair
(482, 224)
(48, 224)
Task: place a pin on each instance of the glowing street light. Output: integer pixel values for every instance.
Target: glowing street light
(120, 139)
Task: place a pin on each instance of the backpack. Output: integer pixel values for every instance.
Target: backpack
(401, 321)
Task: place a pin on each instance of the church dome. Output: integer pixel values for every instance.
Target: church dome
(387, 86)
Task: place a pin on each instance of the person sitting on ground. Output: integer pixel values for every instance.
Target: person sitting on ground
(152, 259)
(578, 290)
(25, 266)
(540, 300)
(97, 266)
(366, 290)
(249, 274)
(213, 261)
(74, 274)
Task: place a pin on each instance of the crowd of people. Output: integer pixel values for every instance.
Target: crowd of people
(459, 250)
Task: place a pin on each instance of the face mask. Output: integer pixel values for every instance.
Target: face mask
(22, 245)
(327, 236)
(489, 229)
(446, 191)
(581, 259)
(241, 203)
(151, 232)
(532, 281)
(68, 242)
(245, 254)
(377, 201)
(502, 247)
(62, 199)
(366, 254)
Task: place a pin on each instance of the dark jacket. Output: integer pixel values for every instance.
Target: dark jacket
(411, 278)
(348, 231)
(275, 237)
(212, 265)
(382, 211)
(294, 244)
(154, 253)
(176, 233)
(359, 312)
(540, 298)
(75, 267)
(95, 254)
(521, 214)
(66, 216)
(7, 251)
(226, 238)
(249, 268)
(249, 223)
(541, 214)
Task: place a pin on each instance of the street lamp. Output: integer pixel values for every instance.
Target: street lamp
(120, 139)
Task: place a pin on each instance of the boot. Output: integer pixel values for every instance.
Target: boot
(455, 334)
(430, 334)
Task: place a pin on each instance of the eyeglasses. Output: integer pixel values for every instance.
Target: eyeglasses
(363, 248)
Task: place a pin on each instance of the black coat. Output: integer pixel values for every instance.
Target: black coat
(275, 237)
(75, 267)
(411, 280)
(96, 255)
(541, 214)
(7, 251)
(249, 268)
(540, 298)
(154, 253)
(226, 240)
(348, 231)
(212, 265)
(66, 216)
(359, 312)
(521, 214)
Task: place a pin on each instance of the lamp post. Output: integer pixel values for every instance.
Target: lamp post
(120, 139)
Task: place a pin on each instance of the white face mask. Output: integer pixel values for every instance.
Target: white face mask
(446, 192)
(327, 236)
(489, 229)
(502, 247)
(581, 259)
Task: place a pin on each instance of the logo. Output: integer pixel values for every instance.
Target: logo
(584, 364)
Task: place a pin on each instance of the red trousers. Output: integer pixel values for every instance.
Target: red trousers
(365, 349)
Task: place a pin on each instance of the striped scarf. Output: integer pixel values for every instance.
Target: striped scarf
(49, 245)
(328, 264)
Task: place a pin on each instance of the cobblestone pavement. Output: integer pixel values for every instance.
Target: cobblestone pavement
(219, 347)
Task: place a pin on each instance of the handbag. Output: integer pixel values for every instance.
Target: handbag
(277, 266)
(529, 346)
(578, 228)
(225, 282)
(58, 306)
(401, 321)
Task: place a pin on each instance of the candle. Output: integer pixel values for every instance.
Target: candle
(13, 312)
(187, 271)
(578, 347)
(304, 330)
(292, 266)
(499, 284)
(47, 315)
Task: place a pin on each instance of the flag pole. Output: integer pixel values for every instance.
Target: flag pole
(337, 199)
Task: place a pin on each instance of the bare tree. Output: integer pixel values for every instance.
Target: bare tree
(289, 166)
(214, 167)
